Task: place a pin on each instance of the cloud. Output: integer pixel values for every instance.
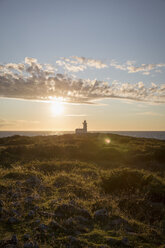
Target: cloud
(69, 67)
(89, 62)
(4, 123)
(40, 82)
(143, 68)
(76, 64)
(75, 115)
(117, 66)
(130, 67)
(18, 67)
(150, 113)
(30, 61)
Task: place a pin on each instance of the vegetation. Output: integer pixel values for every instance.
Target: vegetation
(94, 190)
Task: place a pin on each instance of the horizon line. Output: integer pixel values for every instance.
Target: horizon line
(87, 131)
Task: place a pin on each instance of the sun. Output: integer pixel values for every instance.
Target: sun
(57, 108)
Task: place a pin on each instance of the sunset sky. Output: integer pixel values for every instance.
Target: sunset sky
(68, 60)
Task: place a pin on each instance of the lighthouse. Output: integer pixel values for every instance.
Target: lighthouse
(85, 126)
(82, 130)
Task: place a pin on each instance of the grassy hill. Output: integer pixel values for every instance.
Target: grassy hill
(94, 190)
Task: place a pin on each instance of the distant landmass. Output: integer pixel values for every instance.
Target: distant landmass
(139, 134)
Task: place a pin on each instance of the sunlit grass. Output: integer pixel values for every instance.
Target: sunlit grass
(89, 173)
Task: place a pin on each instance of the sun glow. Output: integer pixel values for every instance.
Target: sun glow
(57, 107)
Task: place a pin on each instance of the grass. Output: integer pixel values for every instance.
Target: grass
(38, 175)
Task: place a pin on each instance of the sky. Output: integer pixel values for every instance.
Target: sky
(65, 61)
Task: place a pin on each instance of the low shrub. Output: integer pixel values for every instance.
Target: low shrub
(134, 180)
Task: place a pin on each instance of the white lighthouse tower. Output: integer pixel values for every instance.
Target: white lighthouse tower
(82, 130)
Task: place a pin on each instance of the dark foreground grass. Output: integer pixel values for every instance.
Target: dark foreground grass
(78, 191)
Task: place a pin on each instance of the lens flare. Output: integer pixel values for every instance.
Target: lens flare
(107, 141)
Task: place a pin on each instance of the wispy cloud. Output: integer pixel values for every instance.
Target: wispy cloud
(150, 113)
(70, 67)
(130, 67)
(89, 62)
(75, 115)
(31, 80)
(76, 64)
(4, 123)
